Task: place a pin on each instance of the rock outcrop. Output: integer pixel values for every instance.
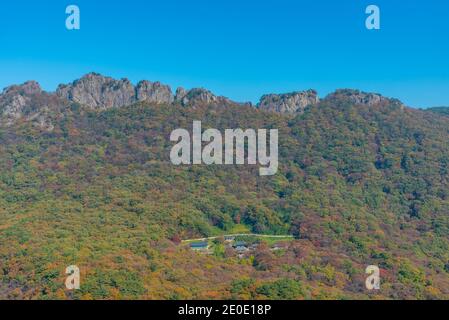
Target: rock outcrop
(198, 96)
(26, 89)
(154, 92)
(93, 91)
(290, 103)
(358, 97)
(28, 102)
(100, 93)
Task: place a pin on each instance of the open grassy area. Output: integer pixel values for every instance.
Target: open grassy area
(239, 228)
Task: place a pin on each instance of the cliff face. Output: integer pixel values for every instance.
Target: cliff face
(98, 92)
(357, 97)
(296, 102)
(154, 92)
(29, 102)
(290, 103)
(15, 100)
(198, 96)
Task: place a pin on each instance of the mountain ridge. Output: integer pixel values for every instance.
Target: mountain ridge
(99, 92)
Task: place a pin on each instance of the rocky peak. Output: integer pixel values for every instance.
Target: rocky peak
(99, 92)
(290, 103)
(358, 97)
(198, 96)
(181, 93)
(27, 88)
(153, 92)
(27, 101)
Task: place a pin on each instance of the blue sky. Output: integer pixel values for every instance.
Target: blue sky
(237, 48)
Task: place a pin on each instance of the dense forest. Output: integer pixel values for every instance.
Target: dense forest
(440, 110)
(357, 185)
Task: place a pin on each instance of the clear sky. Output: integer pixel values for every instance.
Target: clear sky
(237, 48)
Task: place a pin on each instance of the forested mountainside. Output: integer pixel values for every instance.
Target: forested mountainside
(362, 180)
(440, 110)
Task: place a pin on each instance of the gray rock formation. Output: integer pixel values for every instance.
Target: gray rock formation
(28, 88)
(27, 102)
(94, 91)
(100, 93)
(290, 103)
(358, 97)
(181, 93)
(198, 96)
(154, 92)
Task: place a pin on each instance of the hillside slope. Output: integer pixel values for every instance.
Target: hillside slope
(439, 110)
(358, 184)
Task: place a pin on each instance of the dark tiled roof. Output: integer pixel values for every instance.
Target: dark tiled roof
(199, 245)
